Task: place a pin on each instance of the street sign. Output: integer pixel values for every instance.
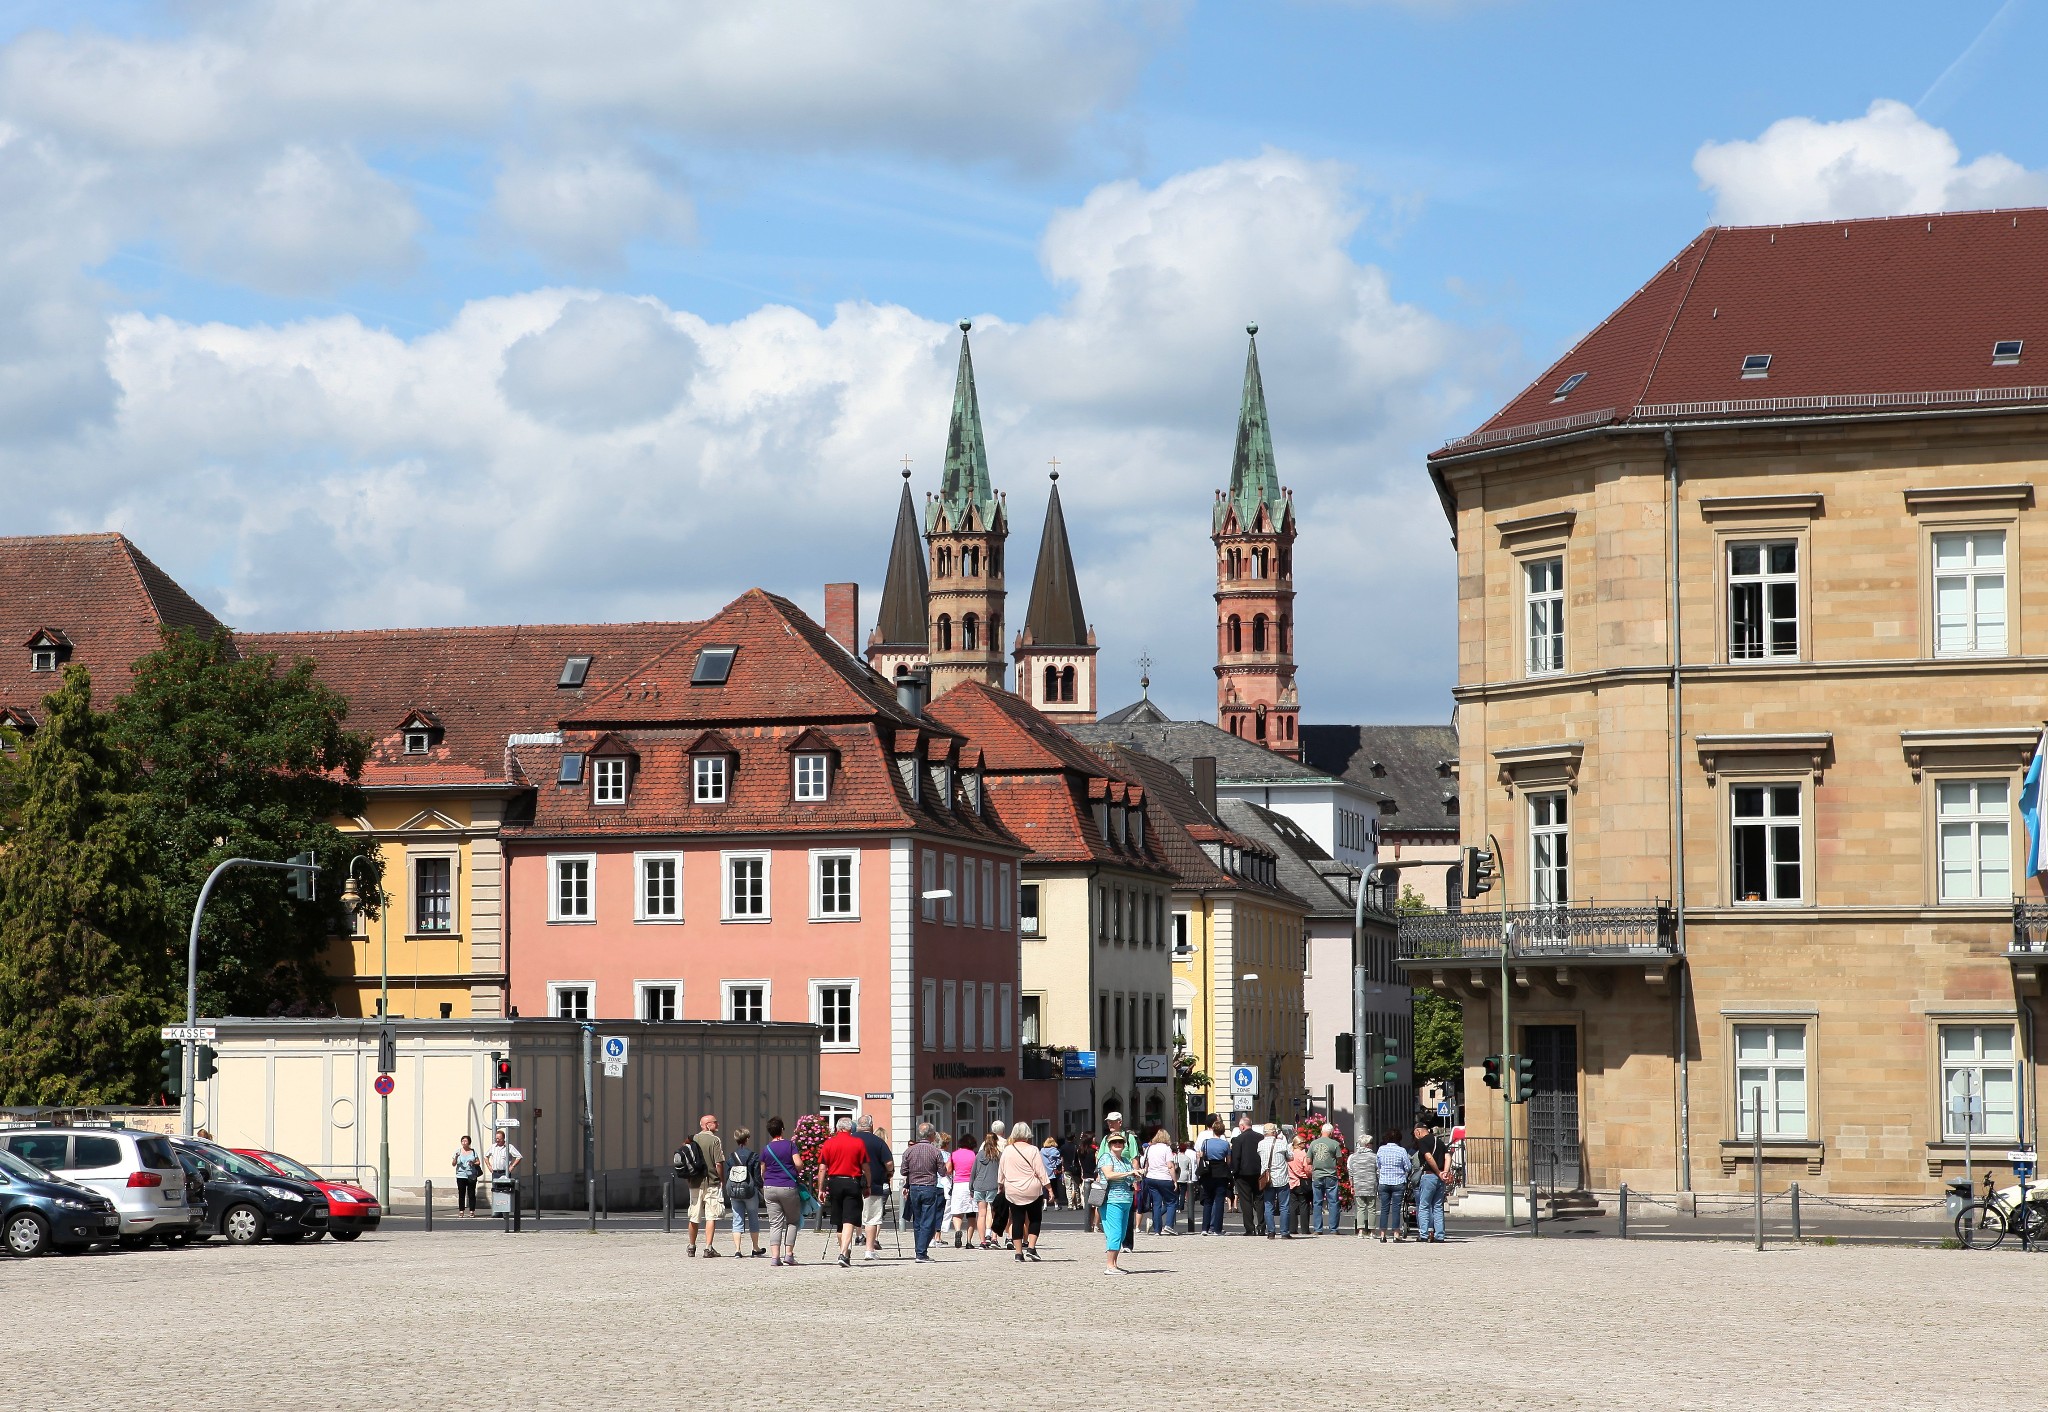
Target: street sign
(1152, 1068)
(1078, 1064)
(614, 1068)
(508, 1095)
(614, 1049)
(385, 1084)
(1241, 1103)
(2020, 1156)
(506, 1123)
(1443, 1110)
(189, 1032)
(1244, 1079)
(877, 1097)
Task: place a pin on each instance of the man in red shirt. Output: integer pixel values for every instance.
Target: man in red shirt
(842, 1183)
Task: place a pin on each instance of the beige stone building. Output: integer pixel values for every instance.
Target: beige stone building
(1753, 651)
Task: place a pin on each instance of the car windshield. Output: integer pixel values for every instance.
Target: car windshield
(234, 1165)
(22, 1167)
(290, 1168)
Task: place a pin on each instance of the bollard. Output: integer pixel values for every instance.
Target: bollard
(1624, 1210)
(1535, 1221)
(1795, 1210)
(590, 1201)
(668, 1205)
(515, 1205)
(605, 1181)
(427, 1208)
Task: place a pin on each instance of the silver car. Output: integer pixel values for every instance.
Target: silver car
(137, 1171)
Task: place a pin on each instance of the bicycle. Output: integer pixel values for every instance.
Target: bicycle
(1984, 1224)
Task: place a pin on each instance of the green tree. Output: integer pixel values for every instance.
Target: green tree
(82, 945)
(1439, 1020)
(243, 758)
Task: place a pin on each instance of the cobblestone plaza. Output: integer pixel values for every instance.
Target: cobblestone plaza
(563, 1319)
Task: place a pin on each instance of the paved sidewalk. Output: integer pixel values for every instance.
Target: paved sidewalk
(622, 1320)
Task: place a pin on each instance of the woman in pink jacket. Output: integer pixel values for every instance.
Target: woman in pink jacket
(1021, 1171)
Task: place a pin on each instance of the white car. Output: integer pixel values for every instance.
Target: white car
(137, 1171)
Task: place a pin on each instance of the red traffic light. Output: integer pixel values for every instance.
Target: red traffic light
(1492, 1067)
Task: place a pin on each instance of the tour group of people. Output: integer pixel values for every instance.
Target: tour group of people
(992, 1195)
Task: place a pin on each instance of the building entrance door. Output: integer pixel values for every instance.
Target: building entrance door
(1554, 1107)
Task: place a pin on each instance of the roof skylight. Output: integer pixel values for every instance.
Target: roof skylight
(2005, 352)
(714, 665)
(572, 770)
(574, 671)
(1564, 388)
(1757, 365)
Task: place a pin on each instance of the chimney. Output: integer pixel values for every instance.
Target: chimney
(1205, 781)
(911, 689)
(842, 615)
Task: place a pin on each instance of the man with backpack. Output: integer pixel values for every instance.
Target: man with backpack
(1214, 1174)
(881, 1172)
(697, 1163)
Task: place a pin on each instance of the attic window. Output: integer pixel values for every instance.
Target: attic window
(574, 671)
(1564, 388)
(609, 780)
(1757, 365)
(418, 742)
(572, 770)
(43, 659)
(2005, 352)
(714, 665)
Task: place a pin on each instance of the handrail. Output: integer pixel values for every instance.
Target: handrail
(1577, 928)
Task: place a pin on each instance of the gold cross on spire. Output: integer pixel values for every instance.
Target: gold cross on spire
(906, 466)
(1055, 464)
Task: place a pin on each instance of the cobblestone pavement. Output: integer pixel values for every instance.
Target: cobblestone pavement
(621, 1320)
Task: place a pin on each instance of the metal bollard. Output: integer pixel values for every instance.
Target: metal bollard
(668, 1205)
(427, 1209)
(536, 1200)
(605, 1181)
(515, 1205)
(1535, 1220)
(1795, 1210)
(590, 1200)
(1624, 1210)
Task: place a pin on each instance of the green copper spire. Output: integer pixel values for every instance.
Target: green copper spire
(964, 489)
(1254, 480)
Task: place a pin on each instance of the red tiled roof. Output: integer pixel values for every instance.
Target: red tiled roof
(1181, 825)
(1012, 733)
(482, 685)
(1860, 317)
(97, 592)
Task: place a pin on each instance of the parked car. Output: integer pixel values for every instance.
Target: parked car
(350, 1209)
(135, 1170)
(41, 1211)
(246, 1201)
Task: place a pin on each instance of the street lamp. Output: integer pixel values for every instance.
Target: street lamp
(358, 902)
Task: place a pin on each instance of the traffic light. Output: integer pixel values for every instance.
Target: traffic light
(387, 1050)
(203, 1065)
(174, 1070)
(305, 876)
(504, 1074)
(1390, 1059)
(1478, 871)
(1347, 1049)
(1525, 1078)
(1492, 1067)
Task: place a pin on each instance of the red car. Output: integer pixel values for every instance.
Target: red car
(351, 1210)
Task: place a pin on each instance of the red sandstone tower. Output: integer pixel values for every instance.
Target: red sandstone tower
(1253, 530)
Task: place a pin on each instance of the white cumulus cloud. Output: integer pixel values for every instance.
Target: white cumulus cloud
(1888, 162)
(582, 209)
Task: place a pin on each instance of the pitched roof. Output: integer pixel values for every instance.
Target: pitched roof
(1238, 761)
(1055, 617)
(481, 684)
(1859, 317)
(967, 498)
(1254, 479)
(906, 584)
(1304, 868)
(1416, 765)
(1182, 826)
(1014, 736)
(1139, 712)
(101, 595)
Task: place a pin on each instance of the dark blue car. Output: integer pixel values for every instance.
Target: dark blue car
(39, 1211)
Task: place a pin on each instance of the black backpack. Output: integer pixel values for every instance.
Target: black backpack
(690, 1161)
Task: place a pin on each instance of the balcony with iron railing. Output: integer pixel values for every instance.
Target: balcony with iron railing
(2029, 930)
(1580, 932)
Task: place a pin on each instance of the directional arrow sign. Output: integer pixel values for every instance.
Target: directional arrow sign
(189, 1032)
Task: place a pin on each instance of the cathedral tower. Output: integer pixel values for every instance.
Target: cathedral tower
(965, 525)
(899, 638)
(1056, 649)
(1253, 530)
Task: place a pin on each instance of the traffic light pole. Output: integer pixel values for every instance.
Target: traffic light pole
(1507, 1041)
(192, 968)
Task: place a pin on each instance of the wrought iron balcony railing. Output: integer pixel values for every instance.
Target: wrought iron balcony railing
(1577, 930)
(2029, 928)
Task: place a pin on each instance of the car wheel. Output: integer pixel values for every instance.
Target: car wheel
(27, 1234)
(345, 1235)
(176, 1240)
(242, 1225)
(136, 1242)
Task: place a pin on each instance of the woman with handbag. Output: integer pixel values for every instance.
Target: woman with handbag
(1115, 1189)
(743, 1191)
(782, 1191)
(1024, 1180)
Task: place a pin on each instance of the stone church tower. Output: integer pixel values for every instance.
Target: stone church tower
(1253, 530)
(965, 526)
(1056, 650)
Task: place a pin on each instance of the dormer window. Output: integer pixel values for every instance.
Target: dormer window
(418, 742)
(608, 780)
(43, 659)
(47, 650)
(913, 778)
(708, 776)
(813, 773)
(1138, 830)
(420, 731)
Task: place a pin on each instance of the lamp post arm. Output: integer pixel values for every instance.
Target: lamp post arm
(192, 961)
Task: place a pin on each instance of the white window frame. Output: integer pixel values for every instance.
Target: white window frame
(589, 912)
(850, 984)
(929, 994)
(969, 901)
(640, 910)
(988, 893)
(928, 873)
(818, 859)
(640, 991)
(949, 1038)
(725, 897)
(1770, 1069)
(1543, 615)
(725, 994)
(1763, 581)
(1975, 639)
(811, 777)
(1003, 895)
(555, 989)
(710, 779)
(949, 879)
(1550, 848)
(1953, 1068)
(413, 860)
(1771, 823)
(1038, 1031)
(1975, 825)
(608, 779)
(988, 1014)
(970, 1033)
(1037, 910)
(1006, 1016)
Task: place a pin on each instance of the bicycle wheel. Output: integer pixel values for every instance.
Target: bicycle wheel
(1980, 1226)
(2030, 1223)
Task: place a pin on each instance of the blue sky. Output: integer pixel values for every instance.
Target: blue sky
(359, 313)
